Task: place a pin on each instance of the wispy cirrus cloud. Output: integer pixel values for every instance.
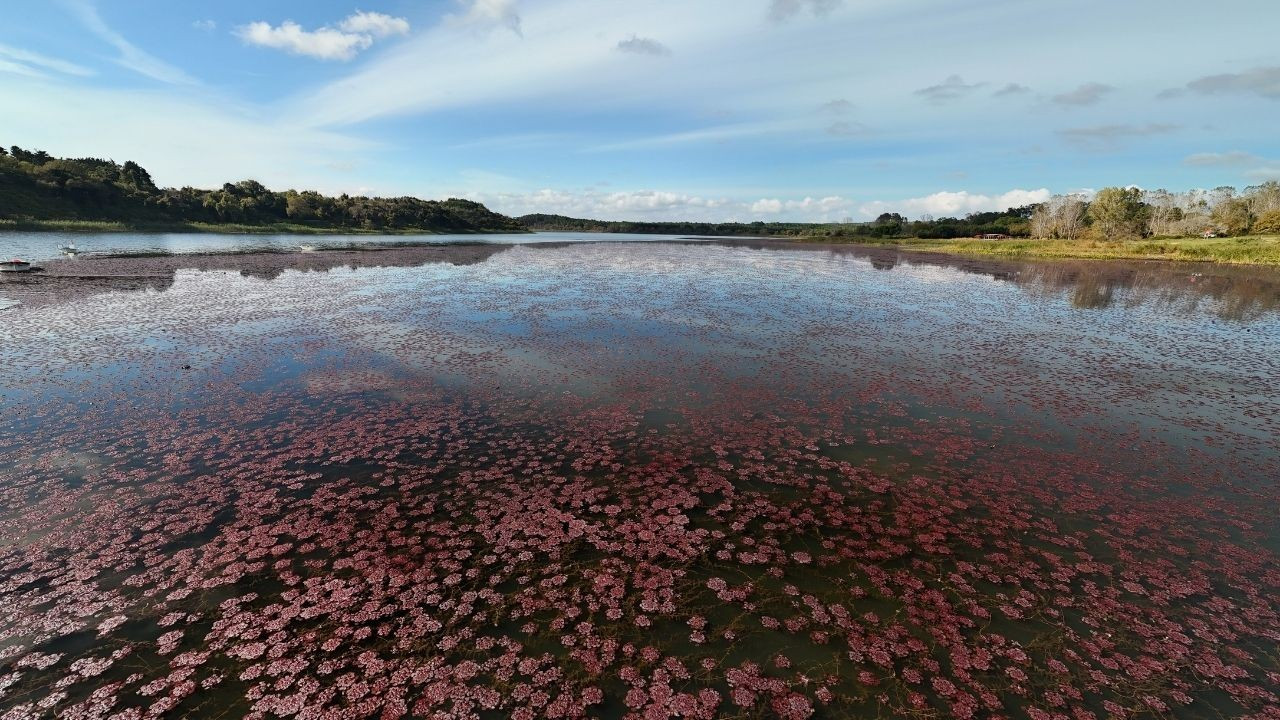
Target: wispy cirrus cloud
(32, 64)
(183, 138)
(129, 55)
(717, 133)
(353, 34)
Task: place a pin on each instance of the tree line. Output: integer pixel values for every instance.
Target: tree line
(37, 186)
(1117, 213)
(1113, 213)
(1012, 222)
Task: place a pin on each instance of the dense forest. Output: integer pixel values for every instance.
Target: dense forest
(36, 187)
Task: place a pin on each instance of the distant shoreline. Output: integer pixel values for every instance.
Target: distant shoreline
(1261, 250)
(1250, 250)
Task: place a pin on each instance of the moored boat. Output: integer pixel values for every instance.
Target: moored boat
(15, 265)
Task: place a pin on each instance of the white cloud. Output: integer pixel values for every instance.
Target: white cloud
(662, 205)
(654, 205)
(25, 62)
(130, 55)
(951, 204)
(14, 68)
(814, 209)
(597, 205)
(353, 34)
(717, 133)
(490, 13)
(376, 24)
(323, 43)
(205, 25)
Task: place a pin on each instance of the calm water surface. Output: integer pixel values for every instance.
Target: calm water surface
(662, 479)
(35, 246)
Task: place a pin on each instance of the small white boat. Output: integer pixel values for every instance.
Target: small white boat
(307, 248)
(70, 250)
(15, 265)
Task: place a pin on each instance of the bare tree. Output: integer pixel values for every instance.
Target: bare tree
(1061, 216)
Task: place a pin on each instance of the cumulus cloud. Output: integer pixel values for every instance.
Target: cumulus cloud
(815, 208)
(656, 205)
(1235, 157)
(622, 205)
(490, 13)
(376, 24)
(1109, 137)
(643, 46)
(953, 88)
(353, 34)
(954, 204)
(782, 10)
(1261, 81)
(1012, 89)
(1086, 94)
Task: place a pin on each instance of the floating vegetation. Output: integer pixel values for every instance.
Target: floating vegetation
(633, 481)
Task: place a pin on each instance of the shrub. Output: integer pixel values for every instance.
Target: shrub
(1268, 223)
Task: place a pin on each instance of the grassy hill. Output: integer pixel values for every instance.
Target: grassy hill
(40, 191)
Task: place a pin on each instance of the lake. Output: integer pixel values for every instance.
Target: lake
(35, 246)
(582, 477)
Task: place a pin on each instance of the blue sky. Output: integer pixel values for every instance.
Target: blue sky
(657, 109)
